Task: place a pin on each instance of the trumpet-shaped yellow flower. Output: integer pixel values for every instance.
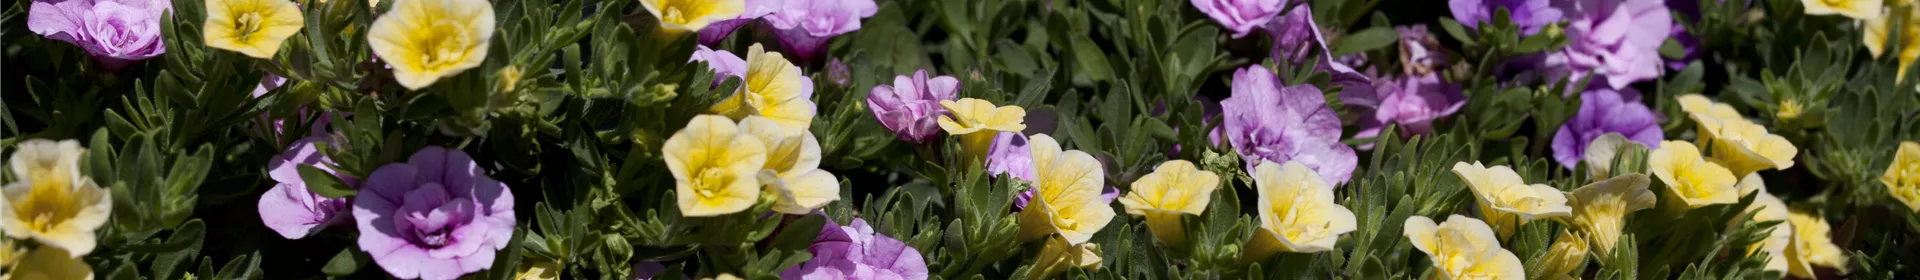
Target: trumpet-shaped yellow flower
(793, 167)
(426, 40)
(1066, 196)
(1297, 212)
(1877, 29)
(978, 121)
(1766, 208)
(52, 203)
(1700, 104)
(715, 167)
(1176, 188)
(1463, 248)
(538, 270)
(50, 263)
(1744, 147)
(1506, 201)
(774, 88)
(1856, 9)
(1812, 247)
(1567, 254)
(1058, 255)
(680, 16)
(251, 27)
(1600, 209)
(1691, 179)
(1903, 176)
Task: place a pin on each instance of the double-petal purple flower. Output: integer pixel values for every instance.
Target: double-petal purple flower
(805, 25)
(115, 32)
(1266, 121)
(436, 216)
(1529, 15)
(1605, 111)
(856, 252)
(289, 208)
(1241, 16)
(1618, 41)
(911, 106)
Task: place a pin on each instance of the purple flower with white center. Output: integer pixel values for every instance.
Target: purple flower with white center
(1603, 111)
(289, 208)
(1297, 38)
(1268, 122)
(1241, 16)
(436, 216)
(805, 25)
(856, 252)
(115, 32)
(719, 30)
(1529, 15)
(1617, 41)
(723, 63)
(911, 106)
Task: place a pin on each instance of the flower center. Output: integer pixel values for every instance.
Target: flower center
(709, 181)
(246, 26)
(49, 203)
(1789, 109)
(444, 45)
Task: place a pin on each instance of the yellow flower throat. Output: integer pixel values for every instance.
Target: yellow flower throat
(49, 203)
(709, 181)
(246, 26)
(443, 45)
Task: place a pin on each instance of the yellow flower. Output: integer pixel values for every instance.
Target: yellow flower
(50, 263)
(793, 167)
(10, 253)
(52, 203)
(724, 276)
(1057, 255)
(773, 88)
(978, 121)
(1463, 248)
(1766, 208)
(538, 270)
(251, 27)
(1875, 36)
(679, 16)
(1600, 209)
(1066, 197)
(1690, 178)
(1176, 188)
(1568, 253)
(1857, 9)
(1602, 151)
(1297, 212)
(714, 167)
(1695, 103)
(1744, 147)
(1812, 247)
(1903, 176)
(1506, 201)
(426, 40)
(1790, 109)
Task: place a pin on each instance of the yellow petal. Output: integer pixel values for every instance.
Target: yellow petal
(50, 263)
(251, 27)
(1765, 208)
(51, 203)
(972, 114)
(1812, 246)
(1567, 254)
(1176, 186)
(1856, 9)
(1463, 248)
(1600, 208)
(1602, 151)
(1297, 210)
(1874, 33)
(692, 15)
(1903, 175)
(426, 41)
(1507, 200)
(1067, 194)
(715, 167)
(1691, 178)
(803, 193)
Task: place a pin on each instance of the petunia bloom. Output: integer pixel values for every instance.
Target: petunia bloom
(1268, 122)
(1700, 104)
(1604, 150)
(681, 16)
(1058, 255)
(1010, 156)
(977, 122)
(435, 216)
(1767, 208)
(804, 26)
(774, 88)
(251, 27)
(1856, 9)
(1691, 179)
(1241, 16)
(1567, 254)
(425, 41)
(1529, 15)
(715, 165)
(1604, 111)
(1618, 41)
(115, 32)
(49, 262)
(1297, 212)
(1874, 34)
(1463, 248)
(1903, 175)
(1413, 102)
(1506, 200)
(911, 106)
(752, 10)
(52, 203)
(793, 167)
(289, 208)
(1742, 146)
(1812, 246)
(1175, 189)
(1600, 209)
(1297, 39)
(855, 251)
(1066, 194)
(723, 63)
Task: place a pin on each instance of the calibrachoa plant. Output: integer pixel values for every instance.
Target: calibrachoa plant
(959, 139)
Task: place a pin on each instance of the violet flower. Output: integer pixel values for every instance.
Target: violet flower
(1413, 102)
(1241, 16)
(115, 32)
(1297, 38)
(719, 30)
(1618, 41)
(436, 216)
(805, 25)
(1602, 111)
(1268, 122)
(856, 252)
(289, 208)
(723, 63)
(1529, 15)
(911, 106)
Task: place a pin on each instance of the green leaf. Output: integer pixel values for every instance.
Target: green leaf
(1365, 40)
(797, 235)
(323, 183)
(1090, 60)
(346, 262)
(1672, 49)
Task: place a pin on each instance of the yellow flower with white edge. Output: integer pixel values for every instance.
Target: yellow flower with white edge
(1066, 194)
(1812, 246)
(1744, 147)
(251, 27)
(978, 121)
(1700, 104)
(1690, 178)
(1297, 212)
(1766, 208)
(680, 16)
(427, 40)
(1058, 255)
(1177, 188)
(1856, 9)
(1600, 209)
(1463, 248)
(52, 203)
(1903, 176)
(1508, 202)
(774, 88)
(793, 167)
(538, 270)
(1567, 254)
(50, 263)
(715, 167)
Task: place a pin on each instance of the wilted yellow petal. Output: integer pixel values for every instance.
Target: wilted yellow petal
(1297, 212)
(1600, 209)
(251, 27)
(1507, 201)
(1463, 248)
(426, 41)
(714, 166)
(1690, 178)
(1812, 246)
(1903, 175)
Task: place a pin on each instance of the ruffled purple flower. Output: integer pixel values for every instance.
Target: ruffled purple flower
(1605, 111)
(1268, 122)
(1689, 48)
(1241, 16)
(911, 106)
(856, 252)
(1617, 41)
(436, 216)
(1529, 15)
(115, 32)
(719, 30)
(1010, 155)
(1413, 102)
(1296, 38)
(805, 25)
(289, 208)
(723, 63)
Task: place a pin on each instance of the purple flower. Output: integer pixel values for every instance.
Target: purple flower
(805, 25)
(436, 216)
(1297, 38)
(723, 63)
(911, 106)
(645, 270)
(856, 252)
(1529, 15)
(1268, 122)
(1689, 48)
(1602, 111)
(718, 30)
(1241, 16)
(1616, 41)
(1010, 156)
(115, 32)
(289, 208)
(1413, 102)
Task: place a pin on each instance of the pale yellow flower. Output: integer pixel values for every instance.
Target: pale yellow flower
(793, 167)
(251, 27)
(52, 203)
(1744, 147)
(50, 263)
(1876, 32)
(978, 121)
(1566, 255)
(538, 270)
(724, 276)
(1066, 194)
(10, 253)
(1812, 246)
(1600, 209)
(1058, 255)
(1506, 200)
(1177, 188)
(774, 88)
(1602, 151)
(1856, 9)
(1903, 176)
(1766, 208)
(1700, 104)
(1463, 248)
(427, 40)
(1297, 212)
(715, 167)
(679, 16)
(1691, 179)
